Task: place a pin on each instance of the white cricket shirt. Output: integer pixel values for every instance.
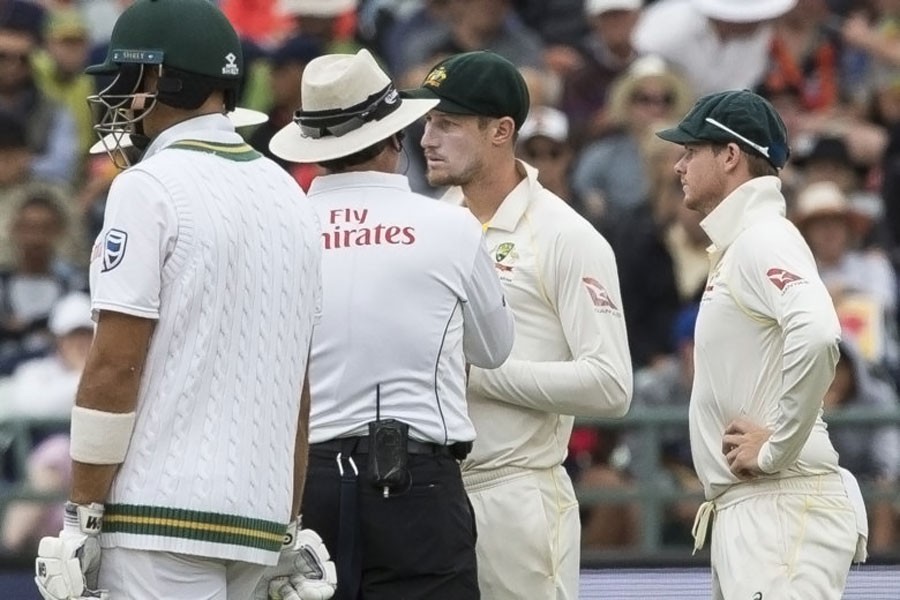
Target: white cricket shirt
(765, 341)
(221, 248)
(408, 291)
(571, 353)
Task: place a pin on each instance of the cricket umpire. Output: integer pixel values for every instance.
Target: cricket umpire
(410, 297)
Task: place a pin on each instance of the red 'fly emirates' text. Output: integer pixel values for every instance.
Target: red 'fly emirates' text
(349, 228)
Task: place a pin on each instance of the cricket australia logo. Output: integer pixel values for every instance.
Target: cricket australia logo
(436, 77)
(230, 67)
(113, 249)
(501, 253)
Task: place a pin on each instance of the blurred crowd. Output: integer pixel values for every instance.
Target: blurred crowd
(603, 76)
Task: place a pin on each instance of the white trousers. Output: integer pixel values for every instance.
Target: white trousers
(151, 575)
(529, 533)
(787, 539)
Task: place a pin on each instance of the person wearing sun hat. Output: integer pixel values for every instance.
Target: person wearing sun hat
(410, 297)
(766, 346)
(571, 351)
(717, 44)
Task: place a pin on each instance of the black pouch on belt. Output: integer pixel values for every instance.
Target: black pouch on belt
(388, 454)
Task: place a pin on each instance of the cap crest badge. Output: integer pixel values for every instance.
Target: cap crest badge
(436, 77)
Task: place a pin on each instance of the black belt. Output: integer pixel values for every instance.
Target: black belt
(360, 445)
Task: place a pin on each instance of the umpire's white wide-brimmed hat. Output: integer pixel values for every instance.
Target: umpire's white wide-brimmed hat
(348, 103)
(743, 11)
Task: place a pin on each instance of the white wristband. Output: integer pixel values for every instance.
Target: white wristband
(100, 437)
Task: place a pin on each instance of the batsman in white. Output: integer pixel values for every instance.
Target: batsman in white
(189, 434)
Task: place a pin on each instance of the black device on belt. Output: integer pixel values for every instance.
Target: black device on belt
(389, 454)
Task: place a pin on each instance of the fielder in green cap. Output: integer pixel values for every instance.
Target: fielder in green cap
(788, 521)
(570, 355)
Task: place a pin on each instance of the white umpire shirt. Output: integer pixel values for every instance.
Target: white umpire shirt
(218, 245)
(765, 341)
(409, 296)
(571, 352)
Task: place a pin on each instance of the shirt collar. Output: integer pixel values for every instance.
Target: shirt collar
(209, 128)
(752, 201)
(368, 179)
(513, 207)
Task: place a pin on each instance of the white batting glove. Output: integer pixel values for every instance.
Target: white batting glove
(304, 571)
(67, 566)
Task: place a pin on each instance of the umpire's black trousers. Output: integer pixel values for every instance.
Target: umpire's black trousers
(414, 544)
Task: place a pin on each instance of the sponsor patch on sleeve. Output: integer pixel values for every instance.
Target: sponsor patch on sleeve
(782, 278)
(599, 295)
(114, 244)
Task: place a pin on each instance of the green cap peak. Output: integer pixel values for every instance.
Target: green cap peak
(479, 83)
(739, 116)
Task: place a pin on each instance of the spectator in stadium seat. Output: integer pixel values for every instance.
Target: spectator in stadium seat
(605, 53)
(544, 143)
(482, 25)
(610, 174)
(17, 184)
(59, 69)
(647, 266)
(718, 44)
(50, 130)
(38, 278)
(46, 386)
(862, 283)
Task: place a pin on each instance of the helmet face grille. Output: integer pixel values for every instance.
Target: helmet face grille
(121, 107)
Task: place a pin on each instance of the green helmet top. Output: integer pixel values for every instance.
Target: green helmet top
(189, 35)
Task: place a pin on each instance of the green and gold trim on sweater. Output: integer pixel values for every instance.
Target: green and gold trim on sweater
(240, 152)
(194, 525)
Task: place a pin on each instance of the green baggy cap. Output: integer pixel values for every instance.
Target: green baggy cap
(742, 117)
(476, 83)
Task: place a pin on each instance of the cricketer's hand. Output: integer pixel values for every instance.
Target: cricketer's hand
(304, 571)
(67, 566)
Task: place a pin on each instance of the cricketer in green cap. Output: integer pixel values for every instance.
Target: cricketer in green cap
(742, 117)
(766, 345)
(476, 83)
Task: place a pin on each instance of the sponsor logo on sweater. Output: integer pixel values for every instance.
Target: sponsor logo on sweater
(599, 296)
(782, 278)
